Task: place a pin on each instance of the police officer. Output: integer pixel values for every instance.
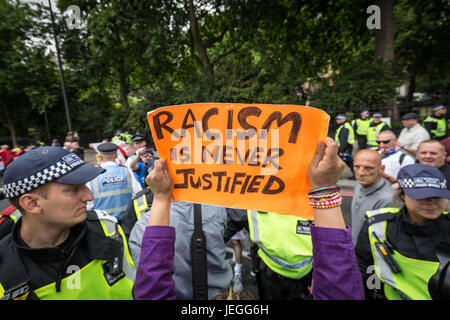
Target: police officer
(114, 188)
(139, 144)
(401, 242)
(117, 135)
(361, 127)
(56, 242)
(345, 138)
(436, 123)
(284, 261)
(375, 127)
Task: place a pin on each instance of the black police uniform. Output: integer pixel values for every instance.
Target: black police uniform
(409, 239)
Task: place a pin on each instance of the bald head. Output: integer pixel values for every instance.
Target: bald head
(369, 154)
(368, 167)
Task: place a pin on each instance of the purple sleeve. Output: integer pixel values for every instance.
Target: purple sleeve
(155, 270)
(336, 275)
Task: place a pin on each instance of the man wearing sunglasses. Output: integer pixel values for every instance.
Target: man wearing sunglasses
(393, 157)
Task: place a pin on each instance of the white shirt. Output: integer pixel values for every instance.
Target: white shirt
(414, 136)
(135, 185)
(392, 163)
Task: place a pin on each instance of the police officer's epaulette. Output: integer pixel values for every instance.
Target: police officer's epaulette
(140, 193)
(380, 217)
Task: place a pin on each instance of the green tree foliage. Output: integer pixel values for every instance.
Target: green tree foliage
(365, 82)
(27, 74)
(130, 57)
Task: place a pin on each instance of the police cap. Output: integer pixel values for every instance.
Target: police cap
(138, 138)
(107, 148)
(420, 181)
(438, 107)
(46, 164)
(340, 116)
(410, 115)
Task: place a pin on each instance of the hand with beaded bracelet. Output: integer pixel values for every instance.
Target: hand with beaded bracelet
(324, 172)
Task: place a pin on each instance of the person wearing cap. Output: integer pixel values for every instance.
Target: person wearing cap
(119, 135)
(139, 144)
(114, 188)
(345, 138)
(137, 160)
(399, 244)
(58, 250)
(361, 127)
(436, 124)
(376, 126)
(412, 134)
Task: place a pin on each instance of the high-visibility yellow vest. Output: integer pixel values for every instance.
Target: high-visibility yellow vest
(441, 127)
(372, 134)
(350, 136)
(412, 282)
(284, 242)
(92, 281)
(140, 205)
(362, 126)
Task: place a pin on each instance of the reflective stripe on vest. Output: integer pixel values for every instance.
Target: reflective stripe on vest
(412, 281)
(372, 134)
(112, 198)
(89, 282)
(362, 126)
(280, 247)
(350, 136)
(140, 206)
(441, 126)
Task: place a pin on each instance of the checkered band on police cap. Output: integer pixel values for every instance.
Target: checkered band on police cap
(31, 175)
(422, 182)
(20, 187)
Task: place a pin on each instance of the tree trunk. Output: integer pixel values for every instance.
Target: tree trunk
(10, 125)
(124, 88)
(384, 43)
(384, 37)
(206, 66)
(411, 89)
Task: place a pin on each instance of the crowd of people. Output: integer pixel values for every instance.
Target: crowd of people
(115, 226)
(399, 208)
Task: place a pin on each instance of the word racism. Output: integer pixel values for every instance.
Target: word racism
(240, 155)
(247, 146)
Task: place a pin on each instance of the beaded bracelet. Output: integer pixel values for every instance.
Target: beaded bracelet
(326, 204)
(326, 188)
(325, 197)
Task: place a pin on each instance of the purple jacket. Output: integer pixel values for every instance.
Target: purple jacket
(336, 274)
(335, 271)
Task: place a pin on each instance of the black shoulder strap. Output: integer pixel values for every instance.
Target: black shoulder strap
(379, 217)
(402, 157)
(198, 254)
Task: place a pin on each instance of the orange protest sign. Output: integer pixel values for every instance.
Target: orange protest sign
(248, 156)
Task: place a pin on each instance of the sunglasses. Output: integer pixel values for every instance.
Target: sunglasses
(384, 141)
